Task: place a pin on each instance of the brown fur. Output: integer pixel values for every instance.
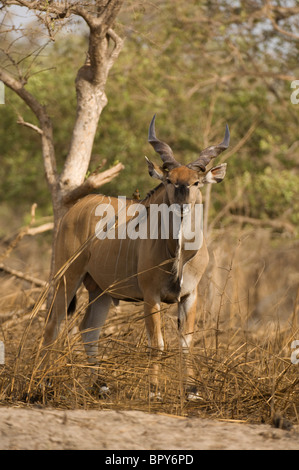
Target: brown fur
(150, 270)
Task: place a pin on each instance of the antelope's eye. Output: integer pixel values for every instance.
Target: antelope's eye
(196, 183)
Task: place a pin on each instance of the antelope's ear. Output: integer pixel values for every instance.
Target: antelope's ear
(154, 170)
(215, 174)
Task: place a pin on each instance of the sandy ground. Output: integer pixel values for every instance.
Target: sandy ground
(44, 429)
(33, 428)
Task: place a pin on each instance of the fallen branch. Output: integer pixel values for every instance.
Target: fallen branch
(20, 234)
(278, 224)
(25, 277)
(9, 320)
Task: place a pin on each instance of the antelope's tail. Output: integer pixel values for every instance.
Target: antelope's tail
(72, 307)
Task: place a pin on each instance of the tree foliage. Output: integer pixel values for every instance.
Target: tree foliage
(198, 65)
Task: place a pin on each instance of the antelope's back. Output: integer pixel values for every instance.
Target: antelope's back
(77, 225)
(80, 222)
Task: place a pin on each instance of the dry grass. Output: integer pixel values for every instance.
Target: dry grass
(242, 361)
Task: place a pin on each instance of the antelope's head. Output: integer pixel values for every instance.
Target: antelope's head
(183, 182)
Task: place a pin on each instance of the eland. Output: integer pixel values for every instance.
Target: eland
(145, 263)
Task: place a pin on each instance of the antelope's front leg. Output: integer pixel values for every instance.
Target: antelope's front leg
(155, 341)
(186, 319)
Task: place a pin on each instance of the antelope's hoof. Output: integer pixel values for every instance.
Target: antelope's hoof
(101, 390)
(192, 394)
(104, 391)
(155, 394)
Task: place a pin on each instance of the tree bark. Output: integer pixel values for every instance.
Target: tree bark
(91, 79)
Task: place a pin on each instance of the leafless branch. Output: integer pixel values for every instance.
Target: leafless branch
(284, 31)
(277, 224)
(28, 124)
(118, 45)
(278, 13)
(24, 276)
(240, 144)
(45, 124)
(93, 182)
(40, 229)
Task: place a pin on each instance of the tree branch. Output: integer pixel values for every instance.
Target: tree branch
(276, 224)
(93, 182)
(40, 229)
(283, 31)
(45, 125)
(279, 13)
(19, 274)
(28, 124)
(18, 87)
(241, 142)
(118, 45)
(282, 13)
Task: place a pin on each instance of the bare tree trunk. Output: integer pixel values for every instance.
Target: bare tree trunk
(91, 99)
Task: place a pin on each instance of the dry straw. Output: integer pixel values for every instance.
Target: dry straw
(242, 373)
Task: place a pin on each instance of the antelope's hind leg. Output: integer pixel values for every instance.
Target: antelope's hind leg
(90, 328)
(62, 301)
